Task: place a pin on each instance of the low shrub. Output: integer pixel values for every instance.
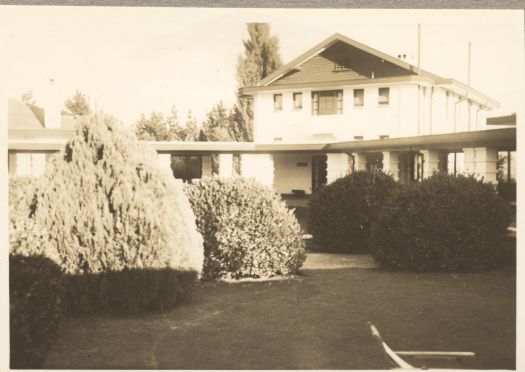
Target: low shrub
(107, 207)
(341, 213)
(248, 230)
(507, 190)
(444, 223)
(36, 296)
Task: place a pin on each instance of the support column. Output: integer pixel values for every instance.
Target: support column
(225, 165)
(482, 161)
(165, 163)
(359, 161)
(258, 166)
(336, 166)
(430, 162)
(206, 166)
(487, 163)
(391, 164)
(469, 160)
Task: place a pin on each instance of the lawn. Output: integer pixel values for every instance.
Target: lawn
(314, 321)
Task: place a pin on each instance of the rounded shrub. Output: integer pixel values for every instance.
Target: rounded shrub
(248, 230)
(341, 213)
(111, 212)
(444, 223)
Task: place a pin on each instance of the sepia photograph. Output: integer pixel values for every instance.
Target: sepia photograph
(260, 188)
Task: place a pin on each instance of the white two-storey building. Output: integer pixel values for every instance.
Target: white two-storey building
(342, 90)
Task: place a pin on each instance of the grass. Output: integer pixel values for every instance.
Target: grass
(314, 321)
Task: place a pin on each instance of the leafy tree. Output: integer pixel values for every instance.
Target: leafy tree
(28, 99)
(152, 128)
(217, 126)
(261, 57)
(157, 127)
(78, 105)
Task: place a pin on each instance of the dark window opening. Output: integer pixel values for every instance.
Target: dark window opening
(186, 167)
(297, 101)
(359, 97)
(277, 102)
(384, 96)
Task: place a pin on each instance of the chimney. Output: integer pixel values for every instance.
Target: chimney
(408, 58)
(52, 105)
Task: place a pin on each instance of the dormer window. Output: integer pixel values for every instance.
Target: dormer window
(384, 96)
(342, 64)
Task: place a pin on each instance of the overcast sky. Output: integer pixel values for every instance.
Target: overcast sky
(136, 60)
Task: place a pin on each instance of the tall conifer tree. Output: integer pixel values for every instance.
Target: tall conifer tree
(261, 57)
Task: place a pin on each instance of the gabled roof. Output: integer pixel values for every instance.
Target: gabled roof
(319, 48)
(413, 73)
(21, 116)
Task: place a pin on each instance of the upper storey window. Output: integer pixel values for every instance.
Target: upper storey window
(277, 102)
(297, 101)
(359, 97)
(384, 96)
(327, 102)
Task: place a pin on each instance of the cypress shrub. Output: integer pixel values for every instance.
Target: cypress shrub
(444, 223)
(111, 213)
(248, 230)
(341, 213)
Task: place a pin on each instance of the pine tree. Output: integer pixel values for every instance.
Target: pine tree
(78, 105)
(261, 57)
(191, 130)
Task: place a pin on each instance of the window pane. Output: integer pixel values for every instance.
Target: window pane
(384, 96)
(327, 102)
(277, 102)
(297, 101)
(359, 97)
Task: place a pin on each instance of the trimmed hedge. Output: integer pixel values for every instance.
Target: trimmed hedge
(108, 208)
(444, 223)
(130, 291)
(37, 307)
(248, 230)
(341, 214)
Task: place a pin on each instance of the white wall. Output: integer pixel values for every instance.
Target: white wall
(436, 114)
(289, 176)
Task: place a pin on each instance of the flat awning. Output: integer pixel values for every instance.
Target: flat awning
(502, 138)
